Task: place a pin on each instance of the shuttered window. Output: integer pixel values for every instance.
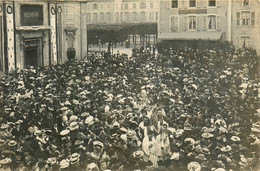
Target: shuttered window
(252, 18)
(198, 25)
(212, 3)
(238, 19)
(245, 18)
(174, 4)
(204, 23)
(192, 3)
(245, 2)
(245, 41)
(174, 23)
(212, 22)
(185, 23)
(218, 23)
(109, 17)
(135, 16)
(192, 22)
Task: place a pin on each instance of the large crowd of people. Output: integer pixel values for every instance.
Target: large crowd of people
(182, 109)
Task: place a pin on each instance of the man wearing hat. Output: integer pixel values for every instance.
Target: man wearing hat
(97, 152)
(5, 164)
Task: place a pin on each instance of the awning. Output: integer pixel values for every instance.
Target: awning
(190, 36)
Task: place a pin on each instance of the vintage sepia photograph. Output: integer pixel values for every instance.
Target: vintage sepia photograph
(129, 85)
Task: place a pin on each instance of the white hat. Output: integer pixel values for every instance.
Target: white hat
(175, 156)
(73, 118)
(89, 120)
(74, 126)
(64, 132)
(194, 166)
(64, 164)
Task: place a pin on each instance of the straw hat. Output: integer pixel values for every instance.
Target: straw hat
(175, 156)
(201, 157)
(226, 149)
(89, 120)
(194, 166)
(5, 161)
(73, 126)
(207, 135)
(12, 143)
(138, 154)
(74, 159)
(52, 160)
(64, 164)
(98, 143)
(235, 138)
(64, 132)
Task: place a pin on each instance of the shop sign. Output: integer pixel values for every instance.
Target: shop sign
(31, 15)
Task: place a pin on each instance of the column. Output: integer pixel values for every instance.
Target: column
(9, 13)
(229, 21)
(1, 39)
(53, 47)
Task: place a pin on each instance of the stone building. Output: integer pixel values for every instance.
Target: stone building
(39, 33)
(246, 24)
(122, 11)
(185, 20)
(128, 12)
(236, 21)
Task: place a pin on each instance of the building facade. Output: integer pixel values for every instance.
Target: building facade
(39, 33)
(122, 11)
(246, 24)
(193, 20)
(236, 21)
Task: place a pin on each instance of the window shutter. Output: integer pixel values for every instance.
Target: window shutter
(176, 23)
(171, 21)
(238, 19)
(204, 3)
(169, 4)
(218, 23)
(185, 3)
(180, 4)
(198, 25)
(185, 23)
(198, 3)
(252, 18)
(218, 3)
(259, 19)
(204, 23)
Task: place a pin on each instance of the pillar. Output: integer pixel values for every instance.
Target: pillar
(53, 46)
(229, 21)
(9, 41)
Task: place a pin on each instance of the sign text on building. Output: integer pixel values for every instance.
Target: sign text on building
(31, 15)
(193, 11)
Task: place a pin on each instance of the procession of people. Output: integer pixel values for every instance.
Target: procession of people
(182, 109)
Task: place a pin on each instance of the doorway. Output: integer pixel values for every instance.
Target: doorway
(31, 56)
(33, 53)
